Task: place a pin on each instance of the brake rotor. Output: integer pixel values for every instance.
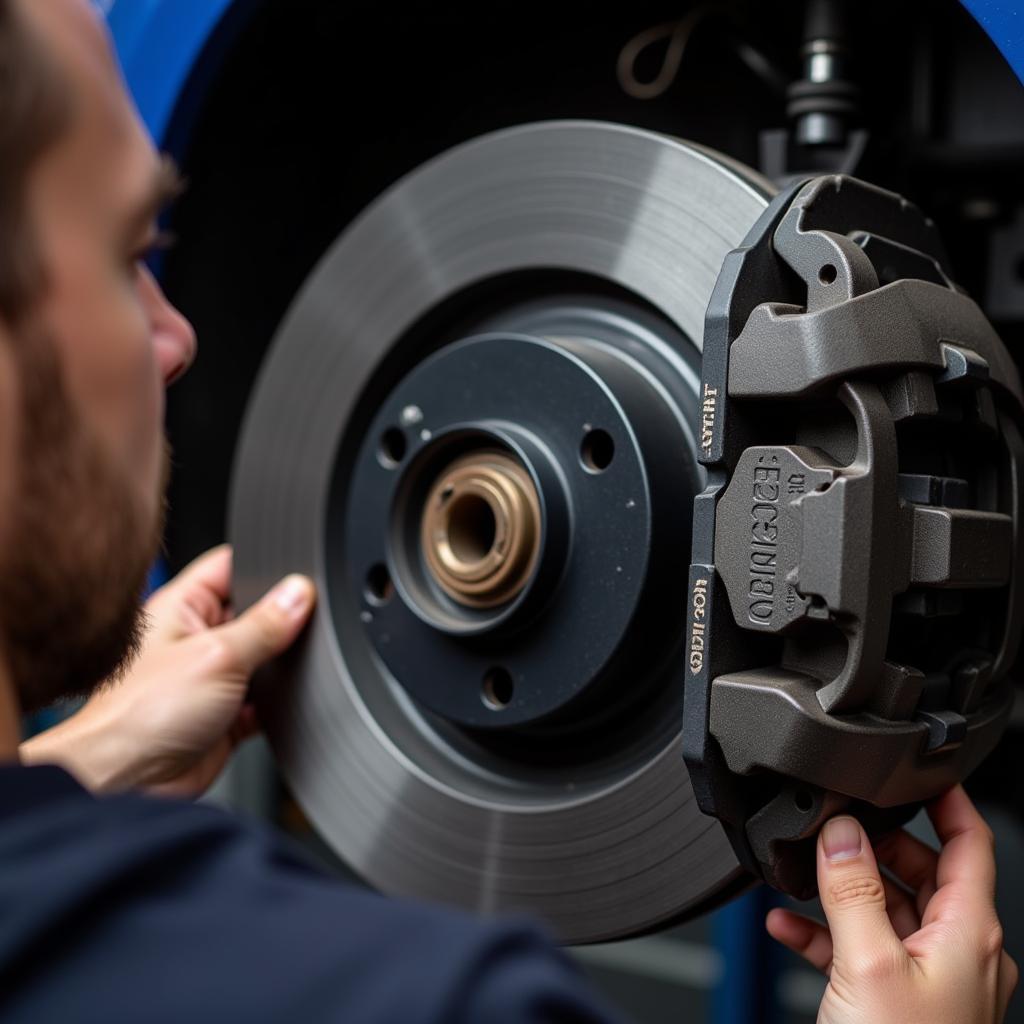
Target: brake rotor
(474, 431)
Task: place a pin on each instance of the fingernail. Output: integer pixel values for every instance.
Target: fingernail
(841, 838)
(293, 594)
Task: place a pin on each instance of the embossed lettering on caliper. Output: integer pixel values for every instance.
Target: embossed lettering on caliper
(764, 534)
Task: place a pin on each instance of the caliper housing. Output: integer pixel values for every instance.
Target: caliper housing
(854, 597)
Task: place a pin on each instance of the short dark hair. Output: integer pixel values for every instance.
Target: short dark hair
(35, 106)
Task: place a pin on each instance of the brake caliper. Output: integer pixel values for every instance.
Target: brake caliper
(854, 600)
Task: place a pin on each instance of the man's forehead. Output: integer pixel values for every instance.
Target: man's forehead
(76, 39)
(105, 127)
(76, 29)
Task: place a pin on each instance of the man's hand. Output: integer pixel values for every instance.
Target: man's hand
(171, 723)
(922, 947)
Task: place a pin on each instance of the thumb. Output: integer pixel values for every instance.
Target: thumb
(270, 626)
(853, 898)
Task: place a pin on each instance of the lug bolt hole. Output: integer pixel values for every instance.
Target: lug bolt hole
(597, 451)
(379, 588)
(392, 448)
(497, 689)
(827, 274)
(803, 800)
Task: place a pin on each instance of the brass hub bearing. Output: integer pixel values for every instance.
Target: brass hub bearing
(481, 529)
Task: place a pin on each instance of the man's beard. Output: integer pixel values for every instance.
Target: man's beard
(74, 560)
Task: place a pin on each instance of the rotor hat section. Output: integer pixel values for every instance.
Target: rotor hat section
(600, 834)
(519, 409)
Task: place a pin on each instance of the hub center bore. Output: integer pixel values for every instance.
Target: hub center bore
(480, 530)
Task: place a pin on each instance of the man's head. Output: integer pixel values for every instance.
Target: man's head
(87, 345)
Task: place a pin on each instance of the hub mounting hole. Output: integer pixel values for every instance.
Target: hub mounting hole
(392, 447)
(497, 689)
(597, 451)
(379, 587)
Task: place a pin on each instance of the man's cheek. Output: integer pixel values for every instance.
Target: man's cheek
(122, 393)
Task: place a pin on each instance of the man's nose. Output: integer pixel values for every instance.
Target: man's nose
(174, 340)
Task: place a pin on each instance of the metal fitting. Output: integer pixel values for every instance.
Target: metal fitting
(481, 529)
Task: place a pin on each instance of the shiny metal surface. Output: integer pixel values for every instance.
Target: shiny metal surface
(608, 848)
(481, 529)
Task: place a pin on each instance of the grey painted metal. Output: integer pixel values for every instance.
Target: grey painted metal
(601, 853)
(859, 619)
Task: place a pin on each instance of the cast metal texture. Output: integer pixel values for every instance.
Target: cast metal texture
(855, 601)
(618, 845)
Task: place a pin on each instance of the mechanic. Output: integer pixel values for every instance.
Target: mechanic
(116, 905)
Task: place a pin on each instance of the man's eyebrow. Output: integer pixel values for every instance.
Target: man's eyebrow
(166, 185)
